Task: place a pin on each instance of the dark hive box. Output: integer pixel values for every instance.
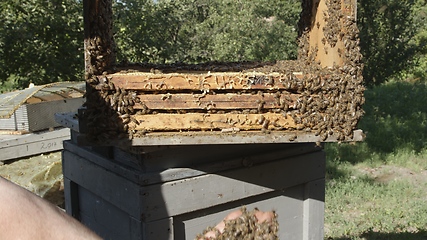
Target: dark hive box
(164, 198)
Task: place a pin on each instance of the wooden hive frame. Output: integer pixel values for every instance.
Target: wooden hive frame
(315, 98)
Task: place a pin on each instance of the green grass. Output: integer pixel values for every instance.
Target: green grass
(376, 189)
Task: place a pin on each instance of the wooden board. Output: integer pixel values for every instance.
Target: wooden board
(314, 207)
(132, 104)
(287, 184)
(10, 132)
(212, 101)
(186, 195)
(251, 137)
(39, 116)
(203, 121)
(288, 214)
(230, 135)
(198, 81)
(17, 146)
(170, 163)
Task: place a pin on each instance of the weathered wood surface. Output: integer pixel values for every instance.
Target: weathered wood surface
(228, 135)
(288, 184)
(173, 161)
(198, 81)
(204, 121)
(183, 196)
(17, 146)
(13, 132)
(205, 191)
(210, 101)
(314, 209)
(41, 116)
(287, 206)
(68, 120)
(169, 163)
(250, 137)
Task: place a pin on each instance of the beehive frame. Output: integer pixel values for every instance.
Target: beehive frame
(313, 99)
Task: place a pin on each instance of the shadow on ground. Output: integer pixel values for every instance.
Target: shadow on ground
(395, 119)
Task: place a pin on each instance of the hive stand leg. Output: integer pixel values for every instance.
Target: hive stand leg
(314, 208)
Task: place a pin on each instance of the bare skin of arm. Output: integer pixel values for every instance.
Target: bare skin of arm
(23, 215)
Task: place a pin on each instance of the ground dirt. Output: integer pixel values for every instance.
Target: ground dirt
(383, 202)
(387, 173)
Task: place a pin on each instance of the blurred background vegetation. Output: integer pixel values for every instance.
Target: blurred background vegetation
(41, 41)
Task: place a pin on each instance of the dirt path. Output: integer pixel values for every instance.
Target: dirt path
(388, 173)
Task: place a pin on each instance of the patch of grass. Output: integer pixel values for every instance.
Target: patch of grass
(360, 154)
(376, 189)
(396, 117)
(359, 205)
(395, 124)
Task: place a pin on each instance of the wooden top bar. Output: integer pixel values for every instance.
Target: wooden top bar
(228, 136)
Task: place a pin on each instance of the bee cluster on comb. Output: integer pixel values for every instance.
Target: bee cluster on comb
(245, 226)
(305, 95)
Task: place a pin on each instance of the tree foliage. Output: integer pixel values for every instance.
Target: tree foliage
(40, 41)
(206, 30)
(387, 31)
(419, 70)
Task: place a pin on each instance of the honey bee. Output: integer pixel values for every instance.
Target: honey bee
(265, 124)
(270, 81)
(292, 137)
(126, 120)
(260, 105)
(131, 109)
(261, 119)
(167, 96)
(134, 121)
